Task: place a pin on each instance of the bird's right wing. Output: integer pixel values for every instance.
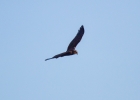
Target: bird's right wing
(76, 39)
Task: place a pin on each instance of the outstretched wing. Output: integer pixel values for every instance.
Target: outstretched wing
(76, 39)
(59, 55)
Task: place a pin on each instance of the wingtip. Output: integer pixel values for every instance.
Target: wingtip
(49, 58)
(82, 26)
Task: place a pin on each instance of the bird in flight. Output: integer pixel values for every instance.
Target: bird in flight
(71, 48)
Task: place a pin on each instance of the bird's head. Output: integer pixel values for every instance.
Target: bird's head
(75, 52)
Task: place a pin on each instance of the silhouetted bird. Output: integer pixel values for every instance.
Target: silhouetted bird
(71, 48)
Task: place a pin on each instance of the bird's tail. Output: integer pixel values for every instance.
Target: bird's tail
(49, 59)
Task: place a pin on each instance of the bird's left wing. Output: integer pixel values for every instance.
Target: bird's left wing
(58, 55)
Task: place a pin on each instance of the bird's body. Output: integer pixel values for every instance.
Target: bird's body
(71, 48)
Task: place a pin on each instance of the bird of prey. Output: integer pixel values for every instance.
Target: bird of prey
(71, 48)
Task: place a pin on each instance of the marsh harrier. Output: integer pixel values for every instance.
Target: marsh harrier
(71, 48)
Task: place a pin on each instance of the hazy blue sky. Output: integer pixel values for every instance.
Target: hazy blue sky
(107, 66)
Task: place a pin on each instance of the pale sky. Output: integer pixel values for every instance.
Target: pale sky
(107, 66)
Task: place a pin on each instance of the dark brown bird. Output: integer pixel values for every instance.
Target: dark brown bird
(71, 48)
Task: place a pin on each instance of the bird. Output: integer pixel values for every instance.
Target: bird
(71, 47)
